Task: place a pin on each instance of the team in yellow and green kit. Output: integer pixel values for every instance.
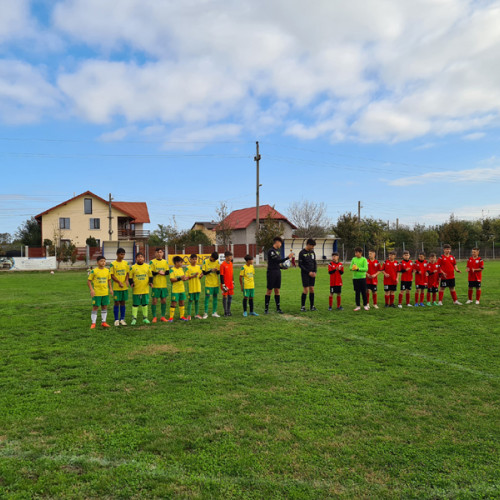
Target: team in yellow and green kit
(140, 279)
(160, 271)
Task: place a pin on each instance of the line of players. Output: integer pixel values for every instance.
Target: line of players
(156, 276)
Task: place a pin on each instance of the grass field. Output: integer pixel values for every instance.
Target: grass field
(377, 404)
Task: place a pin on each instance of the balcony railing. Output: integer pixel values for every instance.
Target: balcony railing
(133, 234)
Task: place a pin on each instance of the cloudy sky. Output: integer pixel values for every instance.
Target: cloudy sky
(392, 103)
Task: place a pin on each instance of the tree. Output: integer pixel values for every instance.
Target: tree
(165, 235)
(374, 233)
(5, 238)
(191, 238)
(224, 229)
(348, 230)
(268, 230)
(91, 242)
(29, 233)
(310, 219)
(454, 232)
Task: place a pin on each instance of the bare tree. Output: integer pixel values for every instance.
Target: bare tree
(224, 228)
(310, 218)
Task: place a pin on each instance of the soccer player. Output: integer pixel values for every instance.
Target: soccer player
(421, 279)
(391, 278)
(433, 280)
(247, 284)
(359, 268)
(308, 268)
(475, 266)
(194, 274)
(372, 277)
(160, 271)
(99, 283)
(227, 282)
(178, 277)
(141, 280)
(274, 262)
(448, 267)
(211, 271)
(335, 270)
(406, 271)
(119, 271)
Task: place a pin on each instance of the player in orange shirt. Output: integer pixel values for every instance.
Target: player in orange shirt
(227, 282)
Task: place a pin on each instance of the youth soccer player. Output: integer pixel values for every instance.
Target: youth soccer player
(335, 270)
(227, 282)
(194, 274)
(141, 280)
(475, 266)
(211, 271)
(433, 280)
(391, 278)
(406, 271)
(99, 283)
(421, 279)
(448, 267)
(160, 272)
(359, 268)
(247, 284)
(178, 277)
(119, 271)
(308, 267)
(274, 262)
(372, 277)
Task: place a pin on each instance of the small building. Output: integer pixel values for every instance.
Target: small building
(87, 215)
(207, 228)
(242, 223)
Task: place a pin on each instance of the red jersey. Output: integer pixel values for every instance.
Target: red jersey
(475, 264)
(373, 268)
(447, 266)
(335, 270)
(226, 271)
(433, 278)
(420, 267)
(391, 268)
(406, 270)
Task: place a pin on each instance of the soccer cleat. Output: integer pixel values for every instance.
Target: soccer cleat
(400, 306)
(387, 305)
(436, 303)
(215, 315)
(205, 316)
(303, 309)
(416, 304)
(375, 306)
(477, 302)
(422, 304)
(155, 319)
(329, 308)
(253, 314)
(189, 318)
(469, 302)
(279, 311)
(357, 308)
(409, 305)
(117, 323)
(92, 326)
(170, 320)
(394, 306)
(266, 311)
(146, 321)
(163, 319)
(123, 322)
(457, 303)
(366, 308)
(429, 304)
(133, 322)
(105, 325)
(440, 303)
(340, 308)
(198, 317)
(313, 308)
(183, 319)
(229, 313)
(245, 314)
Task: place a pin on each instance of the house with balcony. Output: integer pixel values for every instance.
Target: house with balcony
(88, 215)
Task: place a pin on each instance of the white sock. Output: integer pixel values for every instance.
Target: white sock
(93, 316)
(104, 315)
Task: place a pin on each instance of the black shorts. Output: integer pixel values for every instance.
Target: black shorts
(307, 280)
(359, 285)
(373, 288)
(433, 289)
(447, 283)
(273, 279)
(474, 284)
(420, 287)
(390, 288)
(336, 289)
(406, 285)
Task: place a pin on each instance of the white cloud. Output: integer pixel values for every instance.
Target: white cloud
(474, 136)
(467, 212)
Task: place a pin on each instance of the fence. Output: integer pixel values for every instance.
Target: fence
(239, 250)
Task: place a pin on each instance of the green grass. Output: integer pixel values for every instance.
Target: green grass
(378, 404)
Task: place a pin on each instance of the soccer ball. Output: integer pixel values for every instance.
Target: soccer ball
(286, 265)
(51, 272)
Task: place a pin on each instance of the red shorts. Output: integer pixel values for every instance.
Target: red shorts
(228, 292)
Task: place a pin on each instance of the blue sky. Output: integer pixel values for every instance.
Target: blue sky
(394, 104)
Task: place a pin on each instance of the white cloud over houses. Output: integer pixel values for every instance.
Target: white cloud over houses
(374, 72)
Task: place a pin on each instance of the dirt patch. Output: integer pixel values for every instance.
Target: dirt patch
(156, 349)
(290, 317)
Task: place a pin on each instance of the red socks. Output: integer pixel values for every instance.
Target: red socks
(339, 300)
(478, 294)
(400, 298)
(454, 296)
(386, 298)
(416, 297)
(469, 293)
(422, 296)
(330, 301)
(434, 297)
(392, 299)
(374, 299)
(428, 296)
(441, 295)
(407, 297)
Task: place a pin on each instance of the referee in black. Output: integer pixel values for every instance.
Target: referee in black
(274, 261)
(308, 268)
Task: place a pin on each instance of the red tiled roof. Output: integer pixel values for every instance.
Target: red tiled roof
(241, 219)
(135, 210)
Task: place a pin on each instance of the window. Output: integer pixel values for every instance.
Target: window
(95, 223)
(63, 222)
(65, 243)
(87, 205)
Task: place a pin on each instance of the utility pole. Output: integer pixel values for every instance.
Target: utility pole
(359, 211)
(397, 224)
(110, 218)
(257, 218)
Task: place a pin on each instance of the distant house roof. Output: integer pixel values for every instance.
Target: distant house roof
(241, 219)
(135, 210)
(208, 225)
